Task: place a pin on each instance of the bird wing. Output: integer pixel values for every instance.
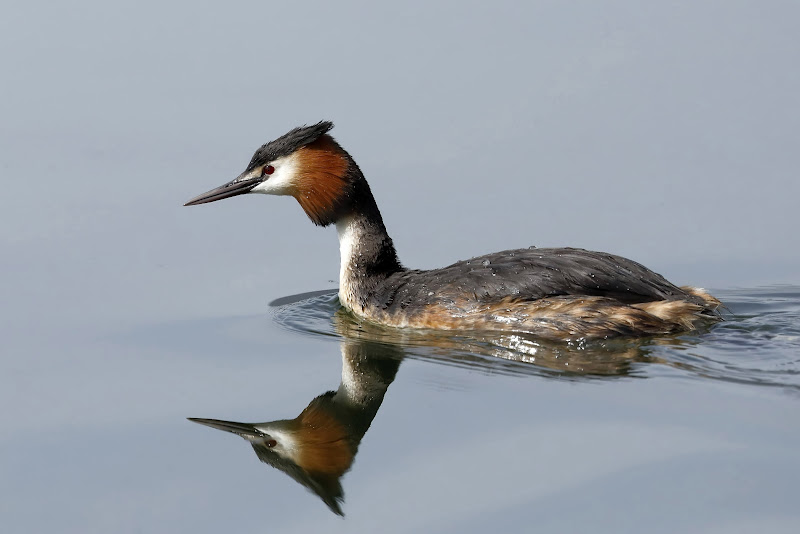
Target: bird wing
(530, 274)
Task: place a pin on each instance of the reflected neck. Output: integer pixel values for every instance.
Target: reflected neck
(367, 371)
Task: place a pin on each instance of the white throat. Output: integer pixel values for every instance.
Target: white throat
(349, 232)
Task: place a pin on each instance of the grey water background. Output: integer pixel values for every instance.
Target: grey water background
(667, 133)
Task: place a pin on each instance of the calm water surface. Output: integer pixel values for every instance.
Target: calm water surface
(552, 125)
(688, 433)
(692, 433)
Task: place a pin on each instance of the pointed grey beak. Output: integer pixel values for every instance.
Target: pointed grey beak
(241, 185)
(241, 429)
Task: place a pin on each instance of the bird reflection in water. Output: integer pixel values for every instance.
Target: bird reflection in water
(318, 447)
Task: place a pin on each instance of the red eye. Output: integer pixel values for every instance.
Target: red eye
(271, 443)
(268, 169)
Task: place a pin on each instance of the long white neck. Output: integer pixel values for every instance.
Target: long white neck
(351, 234)
(367, 258)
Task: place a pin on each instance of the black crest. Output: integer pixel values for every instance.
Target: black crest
(288, 143)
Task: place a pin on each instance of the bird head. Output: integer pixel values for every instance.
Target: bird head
(306, 163)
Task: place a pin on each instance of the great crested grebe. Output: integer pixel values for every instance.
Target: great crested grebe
(555, 293)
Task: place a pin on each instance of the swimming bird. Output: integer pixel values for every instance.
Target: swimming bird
(552, 293)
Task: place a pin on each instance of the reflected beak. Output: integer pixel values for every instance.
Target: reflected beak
(242, 429)
(241, 185)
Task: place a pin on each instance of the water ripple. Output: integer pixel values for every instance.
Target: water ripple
(759, 343)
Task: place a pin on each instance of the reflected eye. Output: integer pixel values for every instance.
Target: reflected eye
(268, 169)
